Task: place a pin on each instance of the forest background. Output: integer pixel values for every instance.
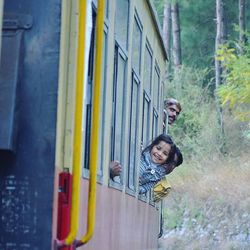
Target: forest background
(209, 73)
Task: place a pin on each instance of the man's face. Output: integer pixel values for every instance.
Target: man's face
(173, 112)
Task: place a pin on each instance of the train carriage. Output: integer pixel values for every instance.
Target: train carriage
(81, 84)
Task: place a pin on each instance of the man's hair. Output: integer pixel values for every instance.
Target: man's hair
(171, 101)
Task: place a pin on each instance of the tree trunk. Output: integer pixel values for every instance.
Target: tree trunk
(167, 27)
(176, 35)
(242, 21)
(220, 38)
(167, 34)
(220, 34)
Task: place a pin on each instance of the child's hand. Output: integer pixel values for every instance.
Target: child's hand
(115, 169)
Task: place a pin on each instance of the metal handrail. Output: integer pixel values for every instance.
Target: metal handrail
(95, 128)
(77, 148)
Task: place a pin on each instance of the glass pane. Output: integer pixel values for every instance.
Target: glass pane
(87, 136)
(119, 104)
(103, 98)
(106, 8)
(147, 71)
(155, 125)
(156, 89)
(121, 22)
(136, 47)
(146, 115)
(88, 108)
(133, 134)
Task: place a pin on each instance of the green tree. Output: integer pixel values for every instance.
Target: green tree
(198, 29)
(236, 90)
(191, 131)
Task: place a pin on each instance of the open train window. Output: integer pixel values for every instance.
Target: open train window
(156, 99)
(156, 92)
(134, 101)
(147, 79)
(133, 132)
(155, 124)
(119, 83)
(103, 106)
(146, 120)
(88, 102)
(118, 110)
(89, 93)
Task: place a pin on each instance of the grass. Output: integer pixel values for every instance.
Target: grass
(210, 204)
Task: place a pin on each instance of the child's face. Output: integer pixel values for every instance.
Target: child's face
(159, 153)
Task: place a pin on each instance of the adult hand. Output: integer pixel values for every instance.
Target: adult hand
(115, 169)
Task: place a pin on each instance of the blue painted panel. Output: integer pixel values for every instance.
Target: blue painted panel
(11, 49)
(27, 177)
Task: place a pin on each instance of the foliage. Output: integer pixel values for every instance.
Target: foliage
(197, 32)
(236, 90)
(198, 29)
(191, 130)
(159, 6)
(197, 131)
(174, 216)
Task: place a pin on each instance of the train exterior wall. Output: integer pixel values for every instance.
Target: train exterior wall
(43, 127)
(122, 222)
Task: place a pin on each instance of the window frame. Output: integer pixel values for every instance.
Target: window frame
(139, 25)
(118, 52)
(131, 189)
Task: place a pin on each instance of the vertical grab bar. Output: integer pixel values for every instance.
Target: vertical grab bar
(77, 150)
(95, 128)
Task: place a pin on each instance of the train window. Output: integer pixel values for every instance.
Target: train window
(156, 91)
(121, 22)
(156, 98)
(155, 124)
(107, 9)
(147, 77)
(134, 113)
(146, 120)
(136, 45)
(134, 107)
(118, 112)
(103, 106)
(88, 104)
(148, 69)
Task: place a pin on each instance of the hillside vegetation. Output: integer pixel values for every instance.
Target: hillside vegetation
(209, 204)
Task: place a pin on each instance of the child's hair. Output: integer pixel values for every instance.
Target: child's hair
(167, 139)
(179, 157)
